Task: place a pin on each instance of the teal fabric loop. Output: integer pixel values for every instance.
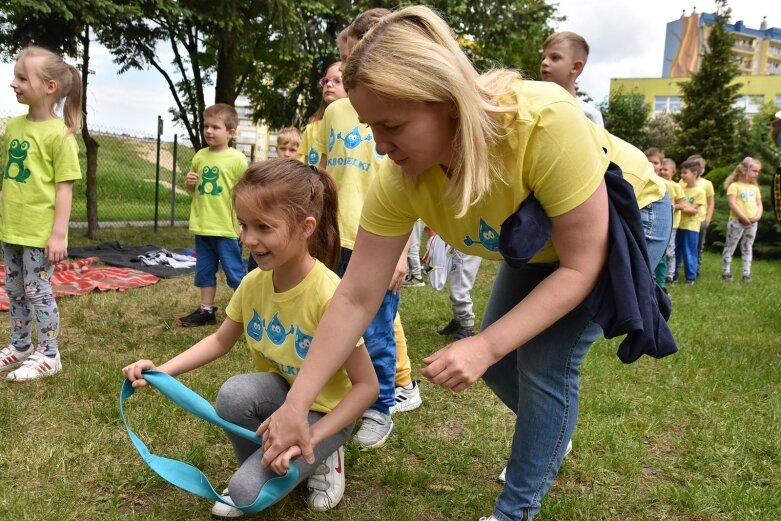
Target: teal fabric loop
(184, 475)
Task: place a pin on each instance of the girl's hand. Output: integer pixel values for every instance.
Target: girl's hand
(56, 250)
(397, 280)
(282, 462)
(133, 372)
(458, 365)
(286, 428)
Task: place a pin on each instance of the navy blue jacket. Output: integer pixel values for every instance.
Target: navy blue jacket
(626, 299)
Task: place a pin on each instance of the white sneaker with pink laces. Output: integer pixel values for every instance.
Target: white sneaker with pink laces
(36, 366)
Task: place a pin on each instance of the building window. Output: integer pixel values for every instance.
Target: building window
(663, 104)
(749, 104)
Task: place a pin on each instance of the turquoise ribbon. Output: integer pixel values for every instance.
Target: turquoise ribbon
(184, 475)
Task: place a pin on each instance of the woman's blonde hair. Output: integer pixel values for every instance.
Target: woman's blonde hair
(741, 172)
(68, 79)
(411, 54)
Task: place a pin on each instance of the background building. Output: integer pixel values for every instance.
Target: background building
(251, 139)
(757, 51)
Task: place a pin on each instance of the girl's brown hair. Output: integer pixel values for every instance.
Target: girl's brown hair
(68, 79)
(297, 191)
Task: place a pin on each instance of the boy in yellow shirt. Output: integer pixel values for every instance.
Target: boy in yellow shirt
(214, 172)
(692, 215)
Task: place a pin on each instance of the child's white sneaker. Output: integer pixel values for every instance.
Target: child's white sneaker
(326, 485)
(36, 366)
(223, 511)
(11, 358)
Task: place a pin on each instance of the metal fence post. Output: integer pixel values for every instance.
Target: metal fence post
(157, 170)
(173, 184)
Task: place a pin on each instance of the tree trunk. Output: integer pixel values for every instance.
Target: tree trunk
(227, 69)
(91, 146)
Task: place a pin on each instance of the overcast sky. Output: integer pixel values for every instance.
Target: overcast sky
(626, 39)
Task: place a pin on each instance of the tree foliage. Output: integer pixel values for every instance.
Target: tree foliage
(626, 116)
(708, 121)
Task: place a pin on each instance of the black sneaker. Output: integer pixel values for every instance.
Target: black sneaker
(199, 317)
(450, 328)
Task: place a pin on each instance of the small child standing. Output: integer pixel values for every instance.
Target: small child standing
(288, 140)
(710, 198)
(675, 190)
(214, 172)
(564, 57)
(692, 214)
(287, 215)
(41, 162)
(745, 211)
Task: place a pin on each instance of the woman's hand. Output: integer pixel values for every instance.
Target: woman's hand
(284, 430)
(458, 365)
(133, 372)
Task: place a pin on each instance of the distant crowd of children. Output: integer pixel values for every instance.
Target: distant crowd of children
(693, 201)
(298, 218)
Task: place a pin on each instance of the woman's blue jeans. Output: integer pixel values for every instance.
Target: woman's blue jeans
(540, 380)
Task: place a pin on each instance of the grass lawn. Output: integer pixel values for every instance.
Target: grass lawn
(695, 436)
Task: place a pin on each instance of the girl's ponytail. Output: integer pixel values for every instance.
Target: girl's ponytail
(72, 110)
(325, 243)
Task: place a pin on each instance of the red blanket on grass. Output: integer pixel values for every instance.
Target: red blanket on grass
(82, 276)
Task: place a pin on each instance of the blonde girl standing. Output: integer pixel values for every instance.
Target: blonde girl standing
(745, 211)
(39, 157)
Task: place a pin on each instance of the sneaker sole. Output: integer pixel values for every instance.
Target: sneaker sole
(35, 377)
(186, 324)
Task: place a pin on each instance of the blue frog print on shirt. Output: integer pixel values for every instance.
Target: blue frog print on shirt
(488, 237)
(353, 139)
(276, 330)
(255, 327)
(303, 341)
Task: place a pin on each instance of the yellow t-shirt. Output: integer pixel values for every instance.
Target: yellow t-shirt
(637, 170)
(35, 156)
(746, 195)
(676, 193)
(279, 327)
(694, 195)
(707, 186)
(550, 150)
(211, 210)
(352, 162)
(308, 154)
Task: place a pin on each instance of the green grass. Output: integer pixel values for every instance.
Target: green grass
(695, 436)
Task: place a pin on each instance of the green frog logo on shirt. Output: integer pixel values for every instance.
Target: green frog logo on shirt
(209, 178)
(487, 237)
(17, 153)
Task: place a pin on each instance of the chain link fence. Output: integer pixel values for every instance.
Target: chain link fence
(130, 178)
